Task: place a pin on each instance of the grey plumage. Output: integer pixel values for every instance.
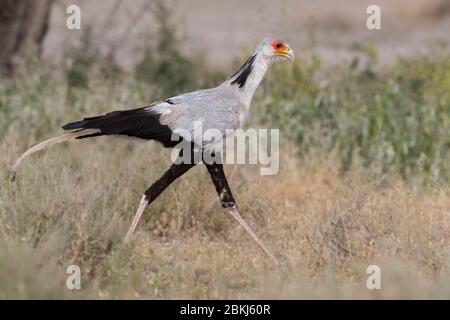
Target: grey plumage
(223, 108)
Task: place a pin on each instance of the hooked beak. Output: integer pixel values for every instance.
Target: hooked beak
(286, 53)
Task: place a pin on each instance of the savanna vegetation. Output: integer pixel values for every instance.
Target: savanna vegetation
(364, 179)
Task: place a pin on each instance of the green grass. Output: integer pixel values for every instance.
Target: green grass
(395, 119)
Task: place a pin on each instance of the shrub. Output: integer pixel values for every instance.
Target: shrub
(394, 118)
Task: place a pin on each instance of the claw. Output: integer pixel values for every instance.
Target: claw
(237, 216)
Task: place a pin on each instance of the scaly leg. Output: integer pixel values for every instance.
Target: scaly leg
(48, 143)
(174, 172)
(226, 198)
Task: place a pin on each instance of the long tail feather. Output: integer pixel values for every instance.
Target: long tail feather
(49, 143)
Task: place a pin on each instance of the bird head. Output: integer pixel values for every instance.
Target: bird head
(275, 49)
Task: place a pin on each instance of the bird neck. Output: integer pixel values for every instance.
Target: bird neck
(247, 79)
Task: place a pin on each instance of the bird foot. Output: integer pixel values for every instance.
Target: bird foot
(235, 214)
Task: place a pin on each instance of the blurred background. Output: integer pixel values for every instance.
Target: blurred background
(223, 30)
(364, 173)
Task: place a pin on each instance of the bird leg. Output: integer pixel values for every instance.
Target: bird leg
(174, 172)
(142, 205)
(226, 198)
(48, 143)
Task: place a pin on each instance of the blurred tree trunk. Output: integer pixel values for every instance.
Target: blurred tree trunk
(23, 25)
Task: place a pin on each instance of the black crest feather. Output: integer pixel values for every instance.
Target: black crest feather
(242, 74)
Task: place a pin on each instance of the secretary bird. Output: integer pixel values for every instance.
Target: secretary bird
(223, 107)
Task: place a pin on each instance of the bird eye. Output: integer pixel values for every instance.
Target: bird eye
(278, 45)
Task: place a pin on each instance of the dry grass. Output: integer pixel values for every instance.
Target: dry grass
(73, 204)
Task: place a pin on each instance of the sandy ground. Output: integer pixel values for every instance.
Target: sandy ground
(225, 29)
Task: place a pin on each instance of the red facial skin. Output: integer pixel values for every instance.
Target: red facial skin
(279, 46)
